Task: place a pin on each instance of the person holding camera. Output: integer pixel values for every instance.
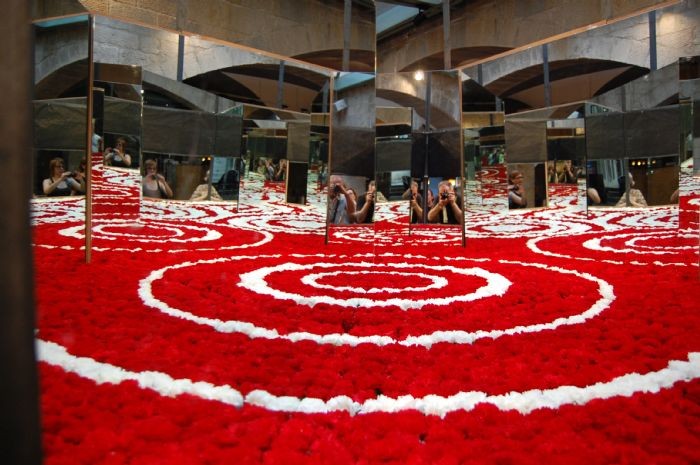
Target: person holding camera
(153, 184)
(341, 204)
(117, 156)
(61, 182)
(364, 205)
(447, 209)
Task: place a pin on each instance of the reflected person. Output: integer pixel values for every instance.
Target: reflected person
(80, 175)
(341, 203)
(516, 191)
(61, 182)
(364, 205)
(201, 192)
(154, 185)
(636, 198)
(118, 155)
(569, 173)
(416, 203)
(448, 208)
(281, 171)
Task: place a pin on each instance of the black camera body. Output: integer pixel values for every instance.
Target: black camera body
(444, 195)
(336, 189)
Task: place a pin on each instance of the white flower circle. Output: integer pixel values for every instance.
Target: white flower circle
(605, 291)
(312, 280)
(255, 281)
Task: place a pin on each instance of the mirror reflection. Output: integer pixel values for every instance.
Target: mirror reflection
(60, 119)
(633, 157)
(351, 187)
(419, 145)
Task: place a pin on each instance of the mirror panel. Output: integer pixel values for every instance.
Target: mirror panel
(526, 158)
(566, 158)
(419, 146)
(116, 137)
(352, 162)
(61, 57)
(689, 102)
(633, 157)
(483, 133)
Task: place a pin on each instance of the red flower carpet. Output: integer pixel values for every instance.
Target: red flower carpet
(206, 334)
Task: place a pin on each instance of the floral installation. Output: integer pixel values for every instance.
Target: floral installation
(209, 335)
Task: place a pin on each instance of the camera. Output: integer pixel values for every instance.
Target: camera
(336, 189)
(154, 177)
(444, 195)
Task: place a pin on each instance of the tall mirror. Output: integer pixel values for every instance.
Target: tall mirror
(61, 65)
(351, 184)
(566, 157)
(689, 102)
(427, 170)
(526, 159)
(484, 148)
(116, 134)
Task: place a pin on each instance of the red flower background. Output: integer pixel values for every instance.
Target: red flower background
(253, 304)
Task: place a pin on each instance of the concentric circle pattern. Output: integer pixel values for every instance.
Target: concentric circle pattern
(229, 332)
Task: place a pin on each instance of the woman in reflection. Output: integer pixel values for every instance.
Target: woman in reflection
(448, 208)
(636, 197)
(364, 205)
(516, 191)
(61, 182)
(341, 204)
(118, 156)
(153, 184)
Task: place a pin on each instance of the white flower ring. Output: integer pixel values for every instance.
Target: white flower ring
(595, 244)
(255, 282)
(523, 402)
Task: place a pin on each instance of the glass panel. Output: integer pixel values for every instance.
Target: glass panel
(419, 147)
(566, 158)
(689, 101)
(352, 161)
(483, 133)
(60, 124)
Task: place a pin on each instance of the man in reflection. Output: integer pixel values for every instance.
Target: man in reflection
(448, 208)
(416, 206)
(341, 203)
(118, 156)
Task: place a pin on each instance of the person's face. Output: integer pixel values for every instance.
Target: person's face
(151, 170)
(120, 144)
(518, 179)
(431, 197)
(335, 181)
(414, 188)
(58, 169)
